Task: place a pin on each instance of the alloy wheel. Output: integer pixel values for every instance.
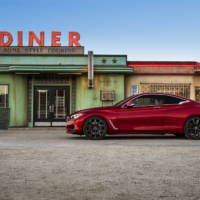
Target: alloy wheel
(192, 128)
(95, 128)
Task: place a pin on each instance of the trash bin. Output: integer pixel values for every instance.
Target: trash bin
(4, 118)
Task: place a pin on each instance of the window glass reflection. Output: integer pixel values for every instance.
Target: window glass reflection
(3, 96)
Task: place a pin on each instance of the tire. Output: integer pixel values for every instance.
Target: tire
(192, 128)
(95, 128)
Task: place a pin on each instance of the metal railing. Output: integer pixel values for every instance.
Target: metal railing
(180, 89)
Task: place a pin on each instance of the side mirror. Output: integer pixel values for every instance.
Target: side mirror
(129, 105)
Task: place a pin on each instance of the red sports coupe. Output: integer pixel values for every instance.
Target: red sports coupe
(153, 113)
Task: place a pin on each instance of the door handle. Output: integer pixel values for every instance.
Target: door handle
(157, 107)
(51, 108)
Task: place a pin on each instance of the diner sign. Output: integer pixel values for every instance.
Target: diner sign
(6, 39)
(36, 44)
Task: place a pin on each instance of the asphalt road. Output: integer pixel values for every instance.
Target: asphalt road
(47, 164)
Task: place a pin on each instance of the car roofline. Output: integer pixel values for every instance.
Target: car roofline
(159, 93)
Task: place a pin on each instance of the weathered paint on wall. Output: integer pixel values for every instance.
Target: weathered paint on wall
(163, 67)
(109, 60)
(43, 60)
(62, 60)
(86, 98)
(107, 64)
(17, 98)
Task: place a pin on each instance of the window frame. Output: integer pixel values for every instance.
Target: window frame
(182, 102)
(7, 100)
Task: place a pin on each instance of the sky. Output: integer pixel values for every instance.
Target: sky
(142, 29)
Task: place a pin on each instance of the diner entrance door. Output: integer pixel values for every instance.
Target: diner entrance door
(51, 105)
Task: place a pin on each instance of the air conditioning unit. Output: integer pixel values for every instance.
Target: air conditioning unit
(107, 95)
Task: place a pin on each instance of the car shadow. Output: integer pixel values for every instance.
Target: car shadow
(134, 137)
(138, 137)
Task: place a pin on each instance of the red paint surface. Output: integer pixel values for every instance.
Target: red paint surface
(74, 38)
(55, 39)
(33, 38)
(141, 119)
(6, 39)
(139, 64)
(164, 67)
(20, 38)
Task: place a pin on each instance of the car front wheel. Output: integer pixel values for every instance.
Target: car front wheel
(95, 128)
(192, 128)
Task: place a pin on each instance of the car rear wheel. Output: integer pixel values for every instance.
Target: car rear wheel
(95, 128)
(192, 128)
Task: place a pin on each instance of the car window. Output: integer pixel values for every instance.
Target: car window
(123, 100)
(146, 100)
(151, 100)
(169, 100)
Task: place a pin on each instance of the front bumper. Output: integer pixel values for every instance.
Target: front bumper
(74, 126)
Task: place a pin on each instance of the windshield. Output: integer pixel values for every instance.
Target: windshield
(123, 100)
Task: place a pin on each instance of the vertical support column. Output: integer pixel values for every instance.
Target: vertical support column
(90, 69)
(192, 92)
(30, 94)
(73, 93)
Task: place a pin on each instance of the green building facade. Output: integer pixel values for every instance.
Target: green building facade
(40, 90)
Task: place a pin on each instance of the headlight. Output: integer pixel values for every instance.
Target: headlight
(76, 116)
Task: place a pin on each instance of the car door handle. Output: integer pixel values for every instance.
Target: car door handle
(157, 107)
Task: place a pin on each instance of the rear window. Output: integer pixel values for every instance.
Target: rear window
(169, 100)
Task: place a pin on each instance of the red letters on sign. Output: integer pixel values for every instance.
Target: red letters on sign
(6, 39)
(33, 37)
(20, 38)
(55, 37)
(4, 35)
(74, 37)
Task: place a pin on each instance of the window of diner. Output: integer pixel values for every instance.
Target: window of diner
(197, 94)
(134, 90)
(3, 96)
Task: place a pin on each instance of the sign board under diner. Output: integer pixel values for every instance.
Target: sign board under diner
(47, 50)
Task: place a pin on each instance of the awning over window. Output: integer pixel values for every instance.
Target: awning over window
(64, 68)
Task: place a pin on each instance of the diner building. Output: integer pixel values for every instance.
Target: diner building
(41, 85)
